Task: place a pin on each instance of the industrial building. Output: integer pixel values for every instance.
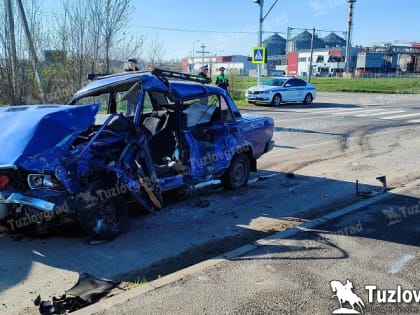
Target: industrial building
(329, 57)
(242, 65)
(321, 56)
(389, 58)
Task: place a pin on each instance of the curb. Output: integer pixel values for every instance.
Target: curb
(121, 298)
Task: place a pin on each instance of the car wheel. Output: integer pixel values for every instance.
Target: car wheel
(237, 174)
(276, 100)
(308, 99)
(101, 211)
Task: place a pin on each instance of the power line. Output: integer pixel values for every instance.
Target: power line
(189, 30)
(200, 31)
(53, 14)
(318, 30)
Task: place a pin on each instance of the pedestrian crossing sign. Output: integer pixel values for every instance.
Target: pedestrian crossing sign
(258, 55)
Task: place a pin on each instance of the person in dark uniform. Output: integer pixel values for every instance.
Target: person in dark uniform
(204, 72)
(132, 65)
(222, 80)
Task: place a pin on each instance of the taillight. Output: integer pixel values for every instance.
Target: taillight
(4, 181)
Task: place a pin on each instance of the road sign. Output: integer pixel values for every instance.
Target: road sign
(258, 55)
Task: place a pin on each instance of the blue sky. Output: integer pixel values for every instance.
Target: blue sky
(228, 27)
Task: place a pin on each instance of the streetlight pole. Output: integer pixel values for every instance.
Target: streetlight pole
(193, 54)
(261, 4)
(260, 31)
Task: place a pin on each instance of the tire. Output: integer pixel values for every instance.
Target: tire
(276, 100)
(308, 99)
(102, 213)
(238, 172)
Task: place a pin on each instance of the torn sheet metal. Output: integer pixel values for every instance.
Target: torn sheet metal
(86, 291)
(382, 179)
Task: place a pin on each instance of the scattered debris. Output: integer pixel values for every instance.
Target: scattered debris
(88, 290)
(382, 179)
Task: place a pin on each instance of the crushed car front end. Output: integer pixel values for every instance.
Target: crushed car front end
(123, 138)
(35, 185)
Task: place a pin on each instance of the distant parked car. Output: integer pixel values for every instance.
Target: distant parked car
(281, 90)
(122, 139)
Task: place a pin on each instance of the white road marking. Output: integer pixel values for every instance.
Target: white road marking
(321, 109)
(381, 113)
(332, 110)
(358, 111)
(401, 116)
(400, 264)
(333, 113)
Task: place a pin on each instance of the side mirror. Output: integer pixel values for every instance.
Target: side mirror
(288, 85)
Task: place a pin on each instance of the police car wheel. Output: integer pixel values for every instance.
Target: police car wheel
(276, 100)
(308, 98)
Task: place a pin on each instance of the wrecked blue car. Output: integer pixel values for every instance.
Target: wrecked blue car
(122, 139)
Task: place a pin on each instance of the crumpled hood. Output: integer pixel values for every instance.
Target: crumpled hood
(28, 130)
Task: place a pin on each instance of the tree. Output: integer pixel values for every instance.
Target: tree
(156, 52)
(115, 18)
(88, 36)
(17, 77)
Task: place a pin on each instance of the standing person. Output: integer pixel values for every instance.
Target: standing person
(132, 65)
(204, 73)
(222, 80)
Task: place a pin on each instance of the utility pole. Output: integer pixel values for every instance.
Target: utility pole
(202, 52)
(12, 49)
(288, 48)
(31, 48)
(312, 55)
(289, 31)
(348, 42)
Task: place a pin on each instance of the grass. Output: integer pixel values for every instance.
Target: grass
(374, 85)
(139, 282)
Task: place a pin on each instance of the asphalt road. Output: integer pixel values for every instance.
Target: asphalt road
(327, 146)
(376, 246)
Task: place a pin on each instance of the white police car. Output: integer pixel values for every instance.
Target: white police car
(281, 90)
